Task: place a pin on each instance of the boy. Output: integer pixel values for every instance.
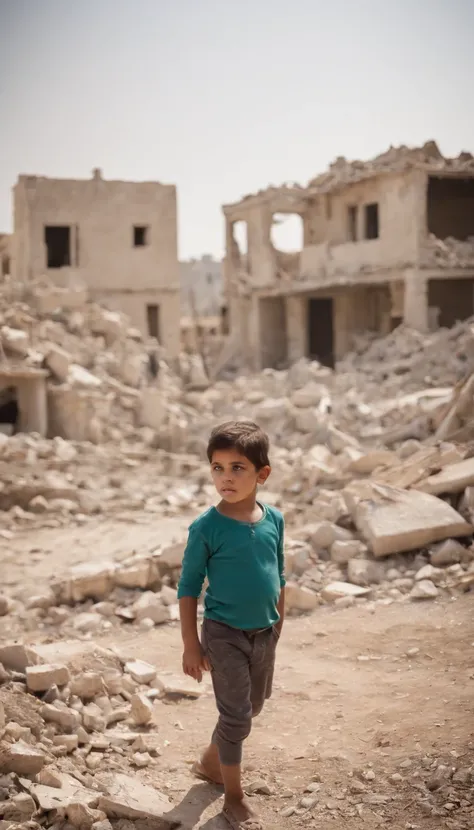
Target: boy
(238, 545)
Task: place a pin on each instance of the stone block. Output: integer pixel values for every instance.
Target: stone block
(453, 478)
(41, 678)
(393, 520)
(21, 758)
(58, 361)
(447, 553)
(68, 719)
(87, 685)
(150, 605)
(93, 718)
(142, 709)
(141, 672)
(424, 589)
(364, 572)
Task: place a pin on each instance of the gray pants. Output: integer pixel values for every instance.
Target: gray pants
(242, 666)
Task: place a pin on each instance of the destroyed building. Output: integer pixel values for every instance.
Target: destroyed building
(384, 242)
(117, 238)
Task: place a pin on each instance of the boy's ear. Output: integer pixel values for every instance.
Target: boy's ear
(263, 474)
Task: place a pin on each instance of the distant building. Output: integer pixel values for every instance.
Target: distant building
(201, 286)
(118, 238)
(384, 241)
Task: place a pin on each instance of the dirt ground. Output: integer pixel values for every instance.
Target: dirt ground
(364, 701)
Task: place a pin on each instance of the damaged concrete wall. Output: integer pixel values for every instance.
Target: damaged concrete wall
(401, 223)
(121, 238)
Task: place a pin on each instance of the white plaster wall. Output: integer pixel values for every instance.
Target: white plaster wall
(204, 278)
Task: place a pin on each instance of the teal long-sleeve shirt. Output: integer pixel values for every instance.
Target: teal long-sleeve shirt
(244, 565)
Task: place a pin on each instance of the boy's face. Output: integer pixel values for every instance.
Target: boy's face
(235, 477)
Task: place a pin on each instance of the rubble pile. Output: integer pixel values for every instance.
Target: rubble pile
(396, 159)
(448, 252)
(69, 728)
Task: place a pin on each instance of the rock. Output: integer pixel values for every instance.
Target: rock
(130, 799)
(436, 575)
(71, 742)
(41, 678)
(68, 719)
(141, 672)
(86, 581)
(364, 572)
(21, 758)
(87, 685)
(447, 553)
(150, 605)
(453, 478)
(336, 590)
(14, 341)
(5, 605)
(44, 601)
(58, 361)
(171, 557)
(19, 809)
(78, 376)
(142, 709)
(140, 573)
(168, 595)
(81, 816)
(88, 622)
(424, 589)
(299, 599)
(2, 718)
(322, 535)
(393, 520)
(93, 718)
(364, 463)
(17, 657)
(309, 395)
(141, 759)
(342, 552)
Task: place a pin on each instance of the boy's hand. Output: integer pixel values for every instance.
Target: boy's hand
(195, 662)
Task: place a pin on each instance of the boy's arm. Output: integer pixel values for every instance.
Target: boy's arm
(281, 570)
(189, 589)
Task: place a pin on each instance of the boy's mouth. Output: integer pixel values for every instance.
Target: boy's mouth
(227, 490)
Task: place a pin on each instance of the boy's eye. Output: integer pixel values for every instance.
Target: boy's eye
(237, 467)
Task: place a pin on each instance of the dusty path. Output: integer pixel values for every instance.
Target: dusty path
(350, 708)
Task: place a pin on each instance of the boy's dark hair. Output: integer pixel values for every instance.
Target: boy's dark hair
(245, 437)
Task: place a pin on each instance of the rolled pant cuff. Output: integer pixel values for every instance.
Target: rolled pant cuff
(230, 755)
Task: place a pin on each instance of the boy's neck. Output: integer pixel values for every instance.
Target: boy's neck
(246, 510)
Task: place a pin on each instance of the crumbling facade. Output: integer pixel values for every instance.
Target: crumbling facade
(385, 241)
(118, 238)
(5, 243)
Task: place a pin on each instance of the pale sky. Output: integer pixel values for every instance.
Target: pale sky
(223, 98)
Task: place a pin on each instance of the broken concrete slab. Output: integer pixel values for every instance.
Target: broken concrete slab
(337, 590)
(21, 758)
(16, 657)
(451, 479)
(54, 798)
(86, 581)
(393, 520)
(41, 678)
(128, 798)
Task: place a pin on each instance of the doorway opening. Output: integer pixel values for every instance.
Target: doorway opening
(321, 330)
(153, 320)
(450, 301)
(450, 207)
(9, 411)
(58, 245)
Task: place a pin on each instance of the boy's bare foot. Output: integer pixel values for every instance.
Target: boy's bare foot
(209, 768)
(240, 815)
